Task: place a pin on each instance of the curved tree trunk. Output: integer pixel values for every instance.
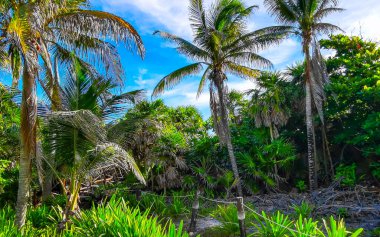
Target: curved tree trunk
(223, 131)
(28, 143)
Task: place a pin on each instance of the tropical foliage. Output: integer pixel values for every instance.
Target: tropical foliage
(96, 160)
(306, 21)
(221, 45)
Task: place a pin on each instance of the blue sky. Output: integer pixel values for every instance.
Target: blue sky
(172, 16)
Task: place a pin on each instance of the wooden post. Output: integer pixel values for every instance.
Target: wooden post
(194, 213)
(241, 216)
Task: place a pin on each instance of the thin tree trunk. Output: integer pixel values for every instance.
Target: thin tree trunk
(234, 167)
(311, 146)
(329, 158)
(28, 143)
(227, 132)
(310, 140)
(275, 160)
(47, 186)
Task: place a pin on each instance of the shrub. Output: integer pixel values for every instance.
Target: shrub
(227, 215)
(8, 184)
(301, 186)
(347, 173)
(375, 170)
(342, 212)
(40, 217)
(155, 203)
(305, 228)
(56, 200)
(304, 210)
(338, 229)
(278, 225)
(178, 206)
(116, 218)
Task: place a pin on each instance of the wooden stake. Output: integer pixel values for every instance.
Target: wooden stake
(241, 216)
(194, 213)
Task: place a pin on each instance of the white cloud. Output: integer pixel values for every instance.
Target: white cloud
(145, 80)
(360, 17)
(172, 14)
(186, 94)
(280, 54)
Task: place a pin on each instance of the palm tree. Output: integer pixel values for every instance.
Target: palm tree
(32, 29)
(269, 106)
(76, 139)
(305, 17)
(223, 45)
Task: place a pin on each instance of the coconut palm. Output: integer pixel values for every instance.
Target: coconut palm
(221, 45)
(305, 17)
(76, 139)
(30, 32)
(269, 106)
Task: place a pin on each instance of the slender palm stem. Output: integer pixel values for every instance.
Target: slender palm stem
(28, 140)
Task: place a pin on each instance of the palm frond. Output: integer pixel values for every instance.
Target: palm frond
(185, 47)
(203, 81)
(85, 133)
(259, 39)
(242, 71)
(94, 50)
(114, 105)
(98, 23)
(175, 77)
(322, 13)
(111, 155)
(326, 28)
(199, 24)
(249, 59)
(283, 10)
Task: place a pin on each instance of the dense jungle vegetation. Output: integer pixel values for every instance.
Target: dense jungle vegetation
(302, 148)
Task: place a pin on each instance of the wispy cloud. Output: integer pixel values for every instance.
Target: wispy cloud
(360, 17)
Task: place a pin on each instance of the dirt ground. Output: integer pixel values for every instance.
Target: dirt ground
(360, 206)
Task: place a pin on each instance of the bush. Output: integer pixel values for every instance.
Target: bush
(39, 217)
(8, 184)
(56, 200)
(347, 173)
(338, 229)
(227, 215)
(112, 219)
(304, 210)
(375, 170)
(305, 228)
(277, 225)
(301, 186)
(116, 218)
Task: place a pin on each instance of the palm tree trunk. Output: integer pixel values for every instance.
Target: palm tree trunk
(311, 146)
(28, 143)
(275, 161)
(226, 130)
(309, 124)
(234, 167)
(310, 139)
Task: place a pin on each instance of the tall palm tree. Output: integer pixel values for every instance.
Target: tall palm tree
(30, 32)
(305, 17)
(221, 45)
